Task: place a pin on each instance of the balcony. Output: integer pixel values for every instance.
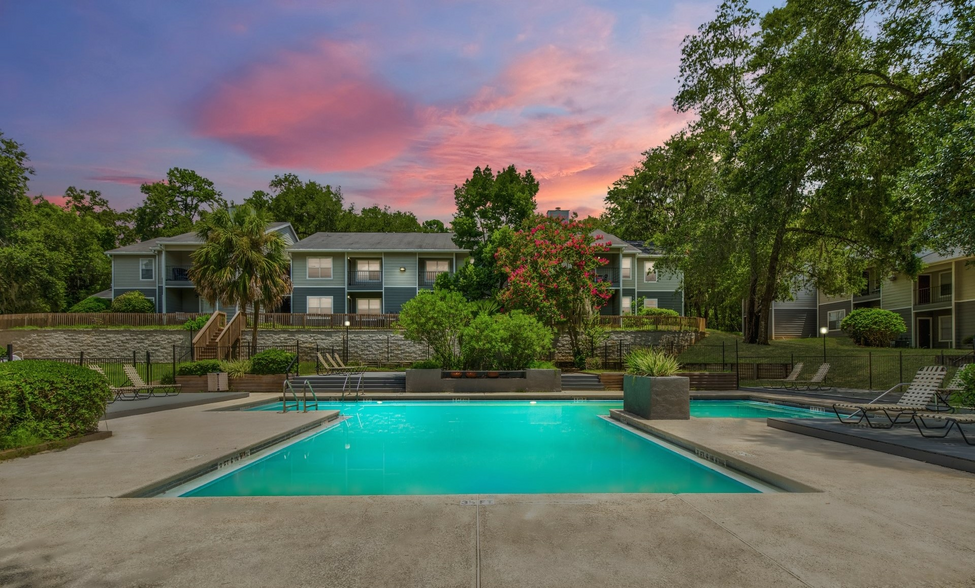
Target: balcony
(869, 293)
(428, 278)
(610, 275)
(178, 275)
(366, 280)
(940, 295)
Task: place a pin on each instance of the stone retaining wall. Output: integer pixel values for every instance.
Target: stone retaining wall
(369, 346)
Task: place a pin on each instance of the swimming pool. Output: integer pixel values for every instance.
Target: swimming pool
(483, 447)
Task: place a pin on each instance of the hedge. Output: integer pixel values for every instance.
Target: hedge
(272, 361)
(50, 401)
(199, 368)
(91, 304)
(133, 301)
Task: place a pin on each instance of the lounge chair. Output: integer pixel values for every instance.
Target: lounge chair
(948, 421)
(138, 382)
(333, 365)
(818, 379)
(119, 392)
(337, 361)
(944, 394)
(918, 396)
(786, 382)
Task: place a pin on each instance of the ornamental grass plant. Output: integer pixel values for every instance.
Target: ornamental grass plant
(650, 362)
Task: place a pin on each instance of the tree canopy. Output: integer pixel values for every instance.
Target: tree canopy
(175, 204)
(308, 206)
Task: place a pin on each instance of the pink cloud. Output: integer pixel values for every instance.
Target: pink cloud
(316, 110)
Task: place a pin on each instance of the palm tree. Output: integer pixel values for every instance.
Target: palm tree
(240, 262)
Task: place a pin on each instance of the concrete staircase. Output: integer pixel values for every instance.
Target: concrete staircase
(371, 382)
(580, 382)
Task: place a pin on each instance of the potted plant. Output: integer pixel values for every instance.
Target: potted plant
(651, 389)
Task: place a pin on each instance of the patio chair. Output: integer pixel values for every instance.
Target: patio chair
(944, 394)
(818, 379)
(918, 396)
(138, 382)
(181, 274)
(330, 366)
(119, 392)
(337, 361)
(948, 421)
(786, 382)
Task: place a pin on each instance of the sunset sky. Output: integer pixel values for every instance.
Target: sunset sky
(395, 101)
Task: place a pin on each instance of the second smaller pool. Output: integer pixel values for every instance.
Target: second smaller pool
(750, 409)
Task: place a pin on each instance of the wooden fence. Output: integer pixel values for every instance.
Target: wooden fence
(271, 320)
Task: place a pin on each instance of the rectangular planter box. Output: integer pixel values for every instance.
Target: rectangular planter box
(534, 381)
(192, 383)
(657, 398)
(255, 383)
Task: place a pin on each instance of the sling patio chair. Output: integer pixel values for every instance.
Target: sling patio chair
(333, 365)
(137, 381)
(786, 382)
(818, 380)
(918, 396)
(337, 361)
(119, 392)
(948, 421)
(944, 394)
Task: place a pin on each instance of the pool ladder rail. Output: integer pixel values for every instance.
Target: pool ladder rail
(358, 386)
(305, 389)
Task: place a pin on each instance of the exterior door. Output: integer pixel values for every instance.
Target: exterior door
(924, 332)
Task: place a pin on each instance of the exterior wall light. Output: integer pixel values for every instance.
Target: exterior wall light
(402, 269)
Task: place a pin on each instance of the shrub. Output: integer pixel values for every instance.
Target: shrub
(657, 312)
(197, 323)
(198, 368)
(49, 401)
(437, 319)
(134, 301)
(504, 341)
(272, 361)
(543, 365)
(648, 362)
(593, 363)
(873, 327)
(967, 395)
(91, 304)
(967, 340)
(167, 379)
(236, 368)
(426, 364)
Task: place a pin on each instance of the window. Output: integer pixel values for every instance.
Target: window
(835, 317)
(147, 269)
(627, 268)
(367, 265)
(320, 268)
(944, 281)
(369, 306)
(435, 267)
(626, 305)
(944, 328)
(649, 303)
(319, 305)
(649, 272)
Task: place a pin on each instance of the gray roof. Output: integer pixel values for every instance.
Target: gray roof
(616, 241)
(377, 242)
(930, 257)
(644, 248)
(190, 238)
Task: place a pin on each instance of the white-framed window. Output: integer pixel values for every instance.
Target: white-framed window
(626, 305)
(319, 304)
(627, 268)
(944, 329)
(649, 272)
(319, 268)
(834, 318)
(649, 303)
(147, 269)
(944, 283)
(368, 306)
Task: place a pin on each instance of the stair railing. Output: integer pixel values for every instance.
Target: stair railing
(231, 333)
(218, 320)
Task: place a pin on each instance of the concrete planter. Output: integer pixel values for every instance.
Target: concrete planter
(534, 381)
(256, 383)
(657, 398)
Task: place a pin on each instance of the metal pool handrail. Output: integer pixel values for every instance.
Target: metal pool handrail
(305, 389)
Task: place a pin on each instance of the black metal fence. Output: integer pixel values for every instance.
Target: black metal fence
(863, 370)
(150, 369)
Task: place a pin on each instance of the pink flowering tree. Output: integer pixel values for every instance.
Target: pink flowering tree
(551, 273)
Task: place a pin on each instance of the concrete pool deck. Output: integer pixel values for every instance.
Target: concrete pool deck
(60, 523)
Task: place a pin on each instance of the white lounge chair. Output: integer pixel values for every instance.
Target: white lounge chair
(920, 393)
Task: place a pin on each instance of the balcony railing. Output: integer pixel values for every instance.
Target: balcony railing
(936, 295)
(365, 277)
(869, 290)
(429, 277)
(179, 274)
(610, 275)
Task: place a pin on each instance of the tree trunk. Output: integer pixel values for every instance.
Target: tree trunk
(257, 312)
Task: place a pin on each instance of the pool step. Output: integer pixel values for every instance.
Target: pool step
(581, 382)
(371, 382)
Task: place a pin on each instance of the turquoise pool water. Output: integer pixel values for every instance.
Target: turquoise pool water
(471, 448)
